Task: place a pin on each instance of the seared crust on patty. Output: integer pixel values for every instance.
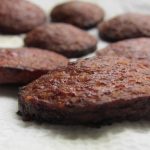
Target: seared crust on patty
(125, 26)
(23, 65)
(19, 16)
(90, 91)
(81, 14)
(62, 38)
(138, 48)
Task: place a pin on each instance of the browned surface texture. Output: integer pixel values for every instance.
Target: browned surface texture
(91, 91)
(81, 14)
(19, 16)
(26, 64)
(62, 38)
(130, 25)
(134, 48)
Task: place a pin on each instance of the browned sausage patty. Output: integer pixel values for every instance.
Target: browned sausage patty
(91, 91)
(130, 25)
(134, 48)
(20, 66)
(19, 16)
(62, 38)
(81, 14)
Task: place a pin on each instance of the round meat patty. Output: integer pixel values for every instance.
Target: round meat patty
(62, 38)
(90, 91)
(126, 26)
(20, 66)
(134, 48)
(19, 16)
(81, 14)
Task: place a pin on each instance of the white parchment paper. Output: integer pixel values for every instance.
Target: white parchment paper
(18, 135)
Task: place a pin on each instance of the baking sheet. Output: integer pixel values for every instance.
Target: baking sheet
(16, 134)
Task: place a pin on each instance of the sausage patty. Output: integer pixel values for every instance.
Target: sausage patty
(91, 91)
(62, 38)
(138, 48)
(20, 66)
(125, 26)
(19, 16)
(81, 14)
